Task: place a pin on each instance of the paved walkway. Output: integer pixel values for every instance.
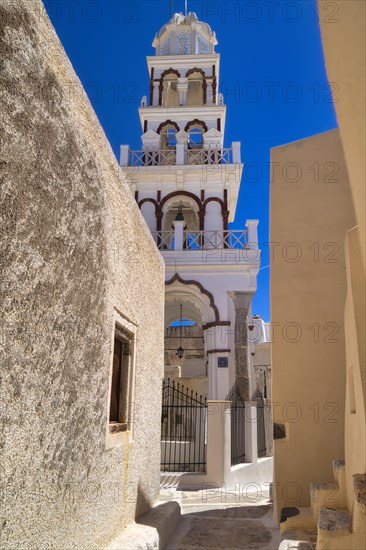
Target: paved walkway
(218, 520)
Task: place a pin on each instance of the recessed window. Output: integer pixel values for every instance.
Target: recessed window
(120, 402)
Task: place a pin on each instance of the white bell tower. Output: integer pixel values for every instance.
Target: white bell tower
(186, 183)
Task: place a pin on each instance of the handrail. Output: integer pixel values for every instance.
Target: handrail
(203, 240)
(191, 157)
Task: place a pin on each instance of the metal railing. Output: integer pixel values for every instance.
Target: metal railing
(183, 430)
(153, 158)
(204, 240)
(237, 418)
(190, 157)
(210, 156)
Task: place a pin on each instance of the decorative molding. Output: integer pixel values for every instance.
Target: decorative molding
(202, 289)
(218, 351)
(194, 122)
(216, 324)
(148, 200)
(165, 123)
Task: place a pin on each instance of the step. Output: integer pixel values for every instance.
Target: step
(303, 540)
(325, 495)
(294, 519)
(339, 473)
(334, 529)
(152, 531)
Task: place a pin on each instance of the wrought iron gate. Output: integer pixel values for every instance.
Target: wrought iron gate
(183, 430)
(237, 432)
(261, 429)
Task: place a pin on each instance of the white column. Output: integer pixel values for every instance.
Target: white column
(181, 150)
(252, 226)
(182, 88)
(178, 235)
(218, 440)
(124, 155)
(156, 93)
(236, 147)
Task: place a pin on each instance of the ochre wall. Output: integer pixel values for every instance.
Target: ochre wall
(75, 248)
(344, 44)
(308, 291)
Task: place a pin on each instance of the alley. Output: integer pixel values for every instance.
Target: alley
(215, 519)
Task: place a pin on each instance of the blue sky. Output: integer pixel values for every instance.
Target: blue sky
(272, 76)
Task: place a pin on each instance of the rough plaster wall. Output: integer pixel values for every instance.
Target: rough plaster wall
(74, 247)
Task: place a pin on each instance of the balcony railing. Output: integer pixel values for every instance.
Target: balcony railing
(202, 240)
(190, 157)
(153, 158)
(210, 156)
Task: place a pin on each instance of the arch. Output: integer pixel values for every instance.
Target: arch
(196, 122)
(189, 208)
(215, 199)
(199, 90)
(202, 290)
(141, 202)
(195, 130)
(167, 123)
(184, 193)
(170, 96)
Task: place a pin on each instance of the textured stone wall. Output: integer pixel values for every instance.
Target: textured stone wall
(74, 247)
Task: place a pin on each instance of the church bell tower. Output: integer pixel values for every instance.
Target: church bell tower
(186, 183)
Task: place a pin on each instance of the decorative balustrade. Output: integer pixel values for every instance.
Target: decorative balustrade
(153, 158)
(209, 156)
(189, 157)
(202, 240)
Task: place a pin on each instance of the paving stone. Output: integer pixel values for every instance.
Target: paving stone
(220, 523)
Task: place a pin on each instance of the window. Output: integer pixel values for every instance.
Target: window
(121, 384)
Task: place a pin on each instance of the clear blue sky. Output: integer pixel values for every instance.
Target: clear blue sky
(272, 75)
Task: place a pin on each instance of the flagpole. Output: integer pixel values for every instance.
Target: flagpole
(171, 9)
(186, 2)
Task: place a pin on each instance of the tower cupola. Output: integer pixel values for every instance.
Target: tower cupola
(185, 35)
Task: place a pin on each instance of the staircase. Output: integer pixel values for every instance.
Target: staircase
(327, 524)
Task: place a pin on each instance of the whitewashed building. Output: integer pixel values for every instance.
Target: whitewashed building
(186, 183)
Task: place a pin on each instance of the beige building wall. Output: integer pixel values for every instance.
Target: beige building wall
(344, 50)
(77, 255)
(311, 211)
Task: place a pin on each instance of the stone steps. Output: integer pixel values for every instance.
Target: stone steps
(334, 525)
(303, 540)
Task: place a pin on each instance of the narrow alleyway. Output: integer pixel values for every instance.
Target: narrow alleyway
(217, 520)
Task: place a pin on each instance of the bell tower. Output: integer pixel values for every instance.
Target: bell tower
(186, 183)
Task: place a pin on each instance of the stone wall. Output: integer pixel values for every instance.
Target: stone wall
(75, 251)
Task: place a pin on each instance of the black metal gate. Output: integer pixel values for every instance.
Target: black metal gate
(237, 433)
(261, 430)
(183, 429)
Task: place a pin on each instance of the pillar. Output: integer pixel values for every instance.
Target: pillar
(242, 301)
